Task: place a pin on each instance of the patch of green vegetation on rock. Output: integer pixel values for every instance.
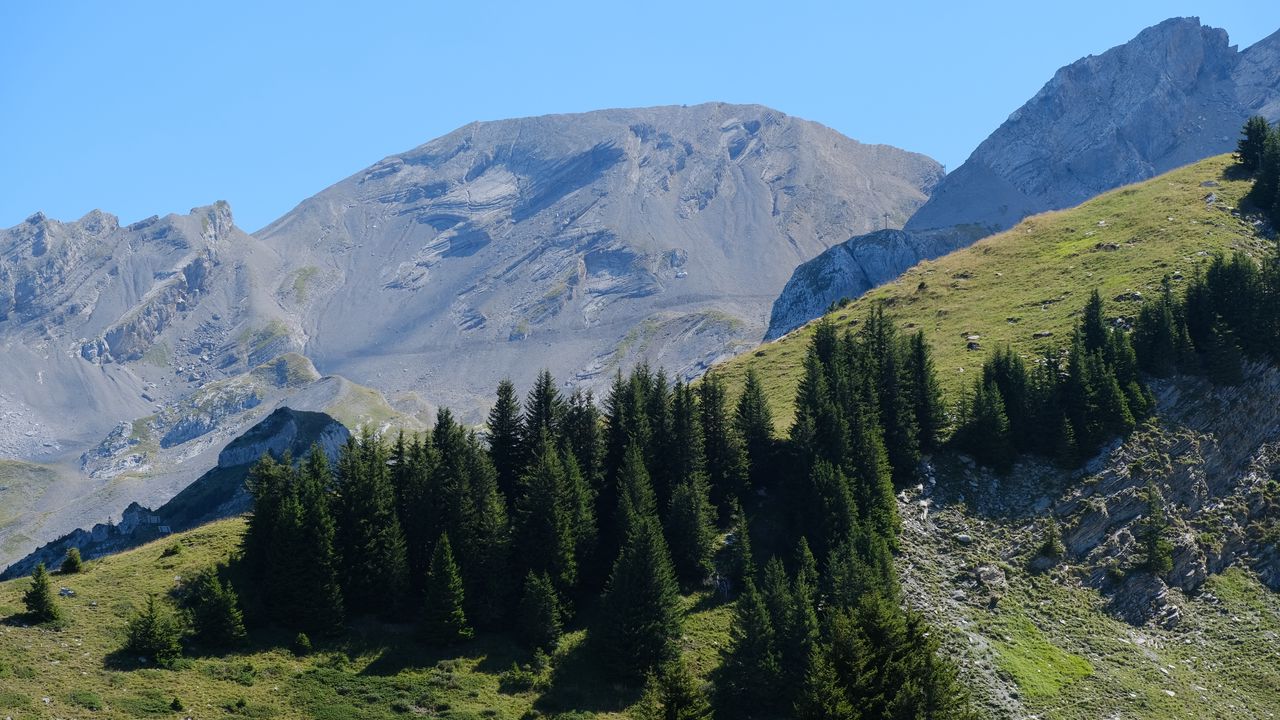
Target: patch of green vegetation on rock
(1040, 668)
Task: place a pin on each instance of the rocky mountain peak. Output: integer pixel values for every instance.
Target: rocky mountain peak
(580, 243)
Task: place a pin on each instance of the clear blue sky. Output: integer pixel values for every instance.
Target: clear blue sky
(148, 108)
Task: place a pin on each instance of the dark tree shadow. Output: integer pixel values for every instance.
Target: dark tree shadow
(580, 681)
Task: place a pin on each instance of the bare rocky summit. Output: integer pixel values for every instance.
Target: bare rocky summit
(578, 243)
(1176, 93)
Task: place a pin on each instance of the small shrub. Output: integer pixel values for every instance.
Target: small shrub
(172, 551)
(72, 564)
(154, 633)
(176, 705)
(86, 699)
(301, 645)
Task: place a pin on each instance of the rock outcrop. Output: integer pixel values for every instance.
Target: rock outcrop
(1176, 93)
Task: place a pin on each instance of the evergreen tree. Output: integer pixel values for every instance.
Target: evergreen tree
(822, 697)
(925, 393)
(687, 450)
(540, 613)
(1222, 360)
(505, 446)
(888, 664)
(39, 600)
(444, 621)
(372, 546)
(213, 609)
(318, 605)
(641, 618)
(753, 420)
(1252, 143)
(829, 512)
(578, 500)
(544, 536)
(740, 567)
(268, 483)
(1153, 529)
(486, 556)
(636, 498)
(726, 458)
(154, 634)
(674, 694)
(415, 469)
(748, 683)
(691, 531)
(543, 411)
(72, 564)
(581, 434)
(986, 428)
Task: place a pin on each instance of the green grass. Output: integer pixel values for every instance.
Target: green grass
(1036, 276)
(377, 671)
(1038, 667)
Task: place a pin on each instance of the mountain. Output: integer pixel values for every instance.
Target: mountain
(219, 493)
(1176, 93)
(1085, 635)
(578, 243)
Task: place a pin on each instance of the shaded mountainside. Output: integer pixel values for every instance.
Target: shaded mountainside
(578, 243)
(1175, 94)
(217, 494)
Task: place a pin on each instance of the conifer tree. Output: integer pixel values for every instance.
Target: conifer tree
(544, 535)
(687, 450)
(636, 499)
(641, 618)
(581, 434)
(822, 696)
(540, 612)
(372, 546)
(415, 473)
(748, 684)
(543, 411)
(753, 419)
(1252, 143)
(691, 531)
(578, 500)
(318, 606)
(925, 393)
(741, 565)
(673, 694)
(39, 599)
(986, 427)
(486, 557)
(659, 457)
(504, 438)
(268, 483)
(726, 458)
(213, 609)
(72, 564)
(1157, 549)
(444, 622)
(154, 634)
(829, 511)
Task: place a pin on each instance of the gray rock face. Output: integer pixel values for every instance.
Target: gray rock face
(853, 267)
(1176, 93)
(577, 243)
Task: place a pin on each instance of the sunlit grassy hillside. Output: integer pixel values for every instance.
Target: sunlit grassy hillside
(1034, 278)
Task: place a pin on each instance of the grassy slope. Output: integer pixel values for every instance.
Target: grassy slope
(379, 672)
(1035, 277)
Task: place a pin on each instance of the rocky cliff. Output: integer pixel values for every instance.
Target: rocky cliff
(1176, 93)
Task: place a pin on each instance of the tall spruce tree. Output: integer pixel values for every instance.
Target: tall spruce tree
(726, 457)
(543, 411)
(740, 566)
(374, 568)
(748, 682)
(753, 419)
(544, 535)
(691, 531)
(504, 438)
(1252, 143)
(213, 609)
(541, 616)
(444, 622)
(641, 617)
(925, 392)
